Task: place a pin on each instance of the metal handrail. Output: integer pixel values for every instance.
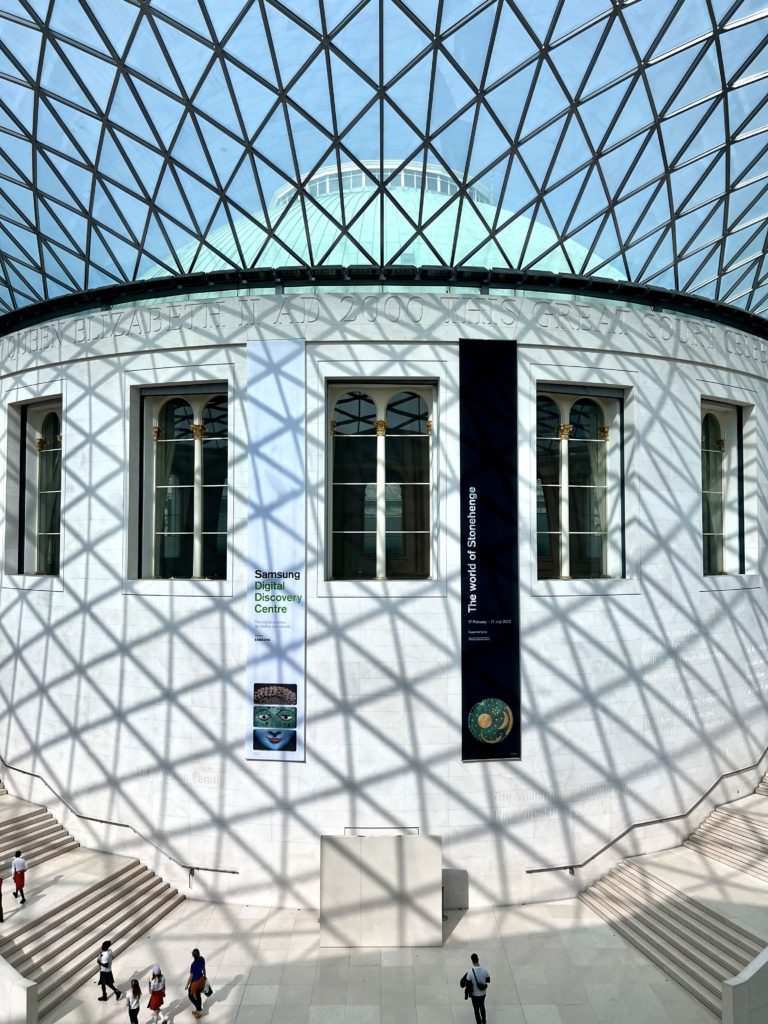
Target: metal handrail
(570, 868)
(118, 824)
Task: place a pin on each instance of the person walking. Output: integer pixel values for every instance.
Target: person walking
(196, 982)
(106, 978)
(157, 995)
(134, 1002)
(1, 900)
(19, 869)
(478, 980)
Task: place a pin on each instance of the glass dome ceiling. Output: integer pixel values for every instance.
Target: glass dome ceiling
(161, 138)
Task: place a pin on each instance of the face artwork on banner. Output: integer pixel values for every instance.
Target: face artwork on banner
(276, 544)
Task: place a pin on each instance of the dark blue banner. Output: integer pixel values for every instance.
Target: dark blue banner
(490, 639)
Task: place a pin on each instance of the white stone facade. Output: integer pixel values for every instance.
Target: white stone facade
(128, 695)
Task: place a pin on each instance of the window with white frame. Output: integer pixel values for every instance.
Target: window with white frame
(33, 545)
(184, 483)
(579, 504)
(380, 508)
(722, 489)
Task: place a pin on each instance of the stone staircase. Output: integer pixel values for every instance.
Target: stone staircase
(700, 912)
(75, 899)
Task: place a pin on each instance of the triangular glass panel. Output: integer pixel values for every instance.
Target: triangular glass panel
(336, 12)
(636, 114)
(311, 93)
(203, 199)
(637, 256)
(749, 201)
(547, 100)
(573, 152)
(540, 16)
(214, 99)
(190, 57)
(106, 211)
(20, 102)
(188, 150)
(116, 21)
(748, 107)
(115, 166)
(224, 16)
(617, 164)
(539, 152)
(489, 144)
(442, 231)
(606, 258)
(747, 243)
(170, 200)
(363, 138)
(555, 261)
(451, 93)
(508, 100)
(400, 141)
(597, 113)
(701, 84)
(411, 93)
(248, 44)
(84, 130)
(255, 101)
(165, 112)
(124, 253)
(50, 183)
(700, 227)
(452, 144)
(100, 257)
(748, 155)
(147, 162)
(512, 46)
(403, 40)
(561, 200)
(689, 133)
(689, 269)
(68, 266)
(697, 182)
(665, 76)
(146, 57)
(25, 281)
(95, 74)
(469, 44)
(224, 151)
(661, 270)
(183, 244)
(126, 111)
(473, 233)
(11, 239)
(615, 58)
(691, 21)
(366, 229)
(630, 212)
(729, 285)
(649, 167)
(657, 214)
(519, 191)
(359, 39)
(23, 39)
(293, 45)
(188, 14)
(541, 236)
(743, 52)
(574, 13)
(350, 92)
(22, 198)
(488, 189)
(575, 57)
(645, 22)
(312, 146)
(512, 238)
(155, 244)
(17, 153)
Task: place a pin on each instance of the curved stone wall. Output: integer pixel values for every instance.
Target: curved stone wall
(129, 694)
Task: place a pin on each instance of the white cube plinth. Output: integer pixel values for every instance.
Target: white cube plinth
(382, 891)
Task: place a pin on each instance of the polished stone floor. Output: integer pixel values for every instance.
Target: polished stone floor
(551, 963)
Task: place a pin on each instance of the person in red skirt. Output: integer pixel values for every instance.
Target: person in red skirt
(157, 995)
(19, 869)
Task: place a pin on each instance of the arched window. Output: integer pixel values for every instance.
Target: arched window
(576, 523)
(49, 495)
(188, 486)
(712, 494)
(381, 481)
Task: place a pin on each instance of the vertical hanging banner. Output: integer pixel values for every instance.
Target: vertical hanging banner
(276, 615)
(490, 630)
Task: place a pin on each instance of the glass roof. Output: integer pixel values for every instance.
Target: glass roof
(596, 137)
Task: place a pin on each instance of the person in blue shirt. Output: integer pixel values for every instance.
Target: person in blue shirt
(196, 982)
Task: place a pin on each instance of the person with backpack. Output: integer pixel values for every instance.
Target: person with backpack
(196, 982)
(477, 980)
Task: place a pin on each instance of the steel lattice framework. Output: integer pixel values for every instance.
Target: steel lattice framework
(597, 138)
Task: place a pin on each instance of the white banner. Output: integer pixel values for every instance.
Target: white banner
(276, 551)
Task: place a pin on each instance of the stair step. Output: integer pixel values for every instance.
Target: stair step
(693, 980)
(71, 906)
(677, 927)
(56, 988)
(729, 855)
(727, 931)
